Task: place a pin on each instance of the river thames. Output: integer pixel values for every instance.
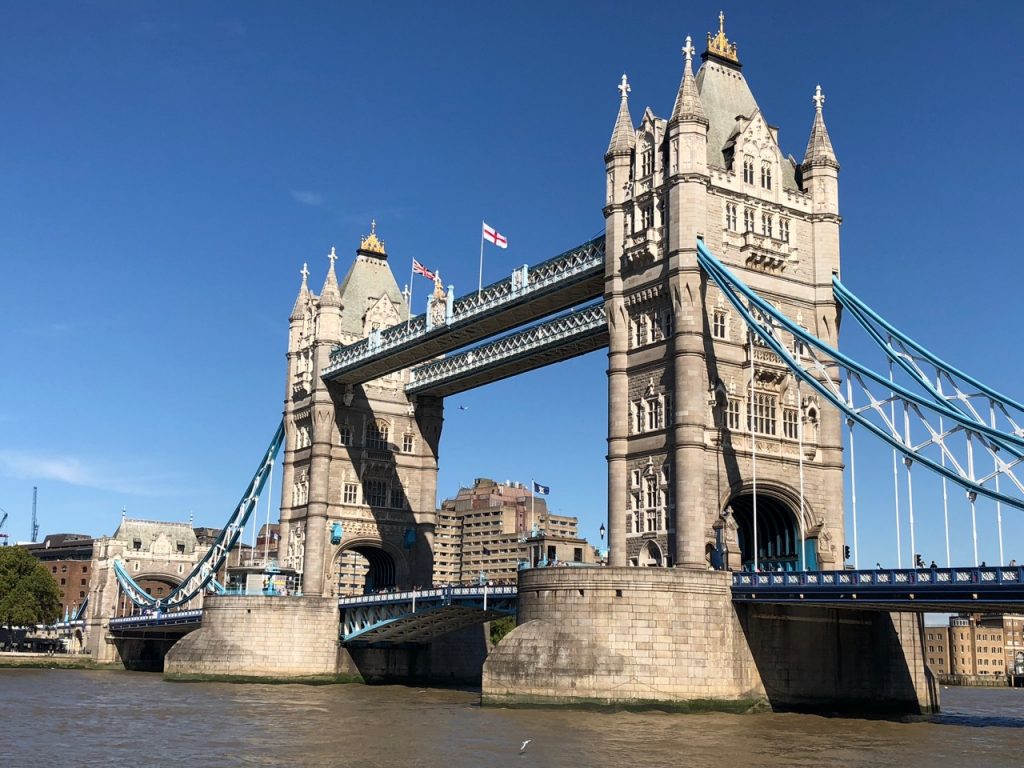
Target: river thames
(72, 718)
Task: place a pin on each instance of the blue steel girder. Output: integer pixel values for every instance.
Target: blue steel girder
(201, 577)
(553, 341)
(945, 382)
(565, 281)
(926, 430)
(416, 617)
(931, 590)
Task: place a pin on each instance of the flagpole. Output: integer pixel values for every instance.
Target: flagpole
(412, 274)
(480, 282)
(533, 498)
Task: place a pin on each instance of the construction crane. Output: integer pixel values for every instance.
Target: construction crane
(35, 522)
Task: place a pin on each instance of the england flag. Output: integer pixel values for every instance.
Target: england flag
(491, 235)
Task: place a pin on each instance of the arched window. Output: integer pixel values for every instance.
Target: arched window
(766, 174)
(748, 170)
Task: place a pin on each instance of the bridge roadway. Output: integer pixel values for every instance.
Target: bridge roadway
(992, 589)
(531, 293)
(418, 616)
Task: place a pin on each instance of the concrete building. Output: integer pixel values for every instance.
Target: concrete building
(68, 558)
(483, 532)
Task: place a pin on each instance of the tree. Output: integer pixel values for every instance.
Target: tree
(28, 593)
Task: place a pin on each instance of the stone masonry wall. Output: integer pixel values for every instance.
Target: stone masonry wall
(273, 637)
(623, 635)
(638, 635)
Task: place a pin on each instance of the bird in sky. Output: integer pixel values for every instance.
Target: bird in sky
(523, 748)
(463, 407)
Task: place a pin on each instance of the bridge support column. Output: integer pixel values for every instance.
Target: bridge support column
(280, 638)
(673, 636)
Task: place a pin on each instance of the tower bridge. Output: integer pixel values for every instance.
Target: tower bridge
(716, 290)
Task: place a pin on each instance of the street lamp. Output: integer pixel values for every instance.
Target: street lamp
(602, 532)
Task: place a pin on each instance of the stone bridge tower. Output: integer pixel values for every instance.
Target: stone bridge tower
(686, 387)
(360, 463)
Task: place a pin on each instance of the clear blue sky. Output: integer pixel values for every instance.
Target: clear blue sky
(165, 170)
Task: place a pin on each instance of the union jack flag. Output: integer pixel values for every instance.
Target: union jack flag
(419, 269)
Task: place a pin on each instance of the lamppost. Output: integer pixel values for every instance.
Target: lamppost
(602, 531)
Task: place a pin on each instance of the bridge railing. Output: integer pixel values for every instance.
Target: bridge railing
(170, 617)
(443, 593)
(940, 577)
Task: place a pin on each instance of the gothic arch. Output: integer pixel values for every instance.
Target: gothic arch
(778, 526)
(381, 564)
(650, 555)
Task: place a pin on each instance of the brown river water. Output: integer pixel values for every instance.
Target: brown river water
(73, 718)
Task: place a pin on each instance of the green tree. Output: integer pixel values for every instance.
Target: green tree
(28, 593)
(501, 627)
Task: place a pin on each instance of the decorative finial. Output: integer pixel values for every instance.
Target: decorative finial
(304, 272)
(623, 87)
(688, 49)
(371, 244)
(719, 45)
(332, 256)
(818, 98)
(124, 513)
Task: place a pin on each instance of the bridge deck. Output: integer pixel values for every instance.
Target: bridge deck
(554, 341)
(565, 281)
(932, 590)
(419, 616)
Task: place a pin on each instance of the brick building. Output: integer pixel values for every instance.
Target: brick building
(975, 646)
(67, 556)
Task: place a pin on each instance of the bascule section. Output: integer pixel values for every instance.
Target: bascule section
(704, 419)
(360, 462)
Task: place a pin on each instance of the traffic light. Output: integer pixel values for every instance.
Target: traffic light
(846, 552)
(918, 561)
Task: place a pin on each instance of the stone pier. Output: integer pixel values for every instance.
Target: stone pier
(672, 637)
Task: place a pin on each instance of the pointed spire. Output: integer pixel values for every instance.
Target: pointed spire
(303, 298)
(623, 135)
(688, 106)
(331, 295)
(819, 146)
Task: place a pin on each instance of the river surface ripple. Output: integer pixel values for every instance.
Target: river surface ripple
(73, 717)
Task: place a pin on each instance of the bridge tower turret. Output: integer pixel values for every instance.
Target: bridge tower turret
(619, 170)
(686, 182)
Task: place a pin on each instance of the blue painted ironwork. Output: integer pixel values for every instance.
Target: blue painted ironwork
(416, 616)
(951, 437)
(580, 263)
(921, 589)
(336, 533)
(941, 380)
(202, 575)
(574, 328)
(157, 620)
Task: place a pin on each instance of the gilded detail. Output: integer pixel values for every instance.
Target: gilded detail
(719, 45)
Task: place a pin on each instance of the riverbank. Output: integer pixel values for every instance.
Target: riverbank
(20, 660)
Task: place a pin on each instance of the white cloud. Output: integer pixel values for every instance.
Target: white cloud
(306, 196)
(72, 471)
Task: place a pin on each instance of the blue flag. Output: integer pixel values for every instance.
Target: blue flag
(543, 490)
